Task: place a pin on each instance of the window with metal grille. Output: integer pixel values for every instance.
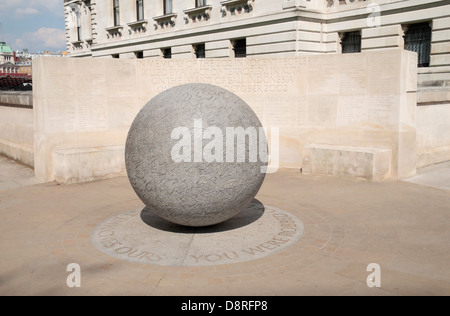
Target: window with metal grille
(200, 50)
(240, 48)
(167, 6)
(418, 39)
(166, 53)
(351, 42)
(116, 12)
(140, 10)
(200, 3)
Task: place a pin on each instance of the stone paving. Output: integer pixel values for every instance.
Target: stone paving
(402, 226)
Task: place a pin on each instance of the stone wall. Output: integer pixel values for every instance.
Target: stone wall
(17, 98)
(325, 106)
(433, 126)
(16, 134)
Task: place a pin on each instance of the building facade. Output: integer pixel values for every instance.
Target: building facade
(240, 28)
(7, 60)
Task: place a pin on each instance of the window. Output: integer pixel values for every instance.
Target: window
(418, 39)
(240, 48)
(199, 50)
(200, 3)
(167, 6)
(139, 55)
(115, 56)
(78, 15)
(351, 42)
(116, 12)
(166, 53)
(140, 10)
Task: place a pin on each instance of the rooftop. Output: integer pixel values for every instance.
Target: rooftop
(5, 48)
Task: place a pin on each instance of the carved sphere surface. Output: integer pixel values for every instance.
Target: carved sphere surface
(184, 161)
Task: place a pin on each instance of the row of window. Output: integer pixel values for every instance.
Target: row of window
(417, 39)
(239, 48)
(167, 9)
(9, 70)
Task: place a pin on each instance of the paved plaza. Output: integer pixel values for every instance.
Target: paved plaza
(404, 226)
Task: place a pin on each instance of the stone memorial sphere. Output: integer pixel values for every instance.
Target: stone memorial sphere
(196, 155)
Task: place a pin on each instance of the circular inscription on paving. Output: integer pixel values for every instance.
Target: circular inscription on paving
(143, 237)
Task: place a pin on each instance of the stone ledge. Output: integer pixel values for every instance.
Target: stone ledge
(88, 164)
(22, 153)
(433, 95)
(431, 156)
(373, 164)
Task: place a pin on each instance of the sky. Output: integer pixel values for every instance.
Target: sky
(37, 25)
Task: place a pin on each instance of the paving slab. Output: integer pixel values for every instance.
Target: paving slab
(436, 176)
(348, 224)
(15, 175)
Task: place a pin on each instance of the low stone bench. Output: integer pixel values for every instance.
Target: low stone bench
(19, 152)
(373, 164)
(88, 164)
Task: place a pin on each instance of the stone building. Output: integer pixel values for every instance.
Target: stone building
(239, 28)
(7, 60)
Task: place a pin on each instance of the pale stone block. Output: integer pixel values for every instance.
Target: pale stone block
(309, 36)
(441, 23)
(17, 151)
(440, 48)
(182, 56)
(16, 134)
(182, 49)
(381, 42)
(269, 48)
(432, 78)
(372, 164)
(17, 98)
(331, 47)
(152, 53)
(440, 36)
(440, 60)
(332, 37)
(433, 126)
(87, 164)
(383, 31)
(309, 26)
(290, 4)
(224, 44)
(433, 96)
(432, 155)
(311, 47)
(271, 38)
(127, 55)
(218, 53)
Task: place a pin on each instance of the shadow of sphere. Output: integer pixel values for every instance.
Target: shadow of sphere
(254, 210)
